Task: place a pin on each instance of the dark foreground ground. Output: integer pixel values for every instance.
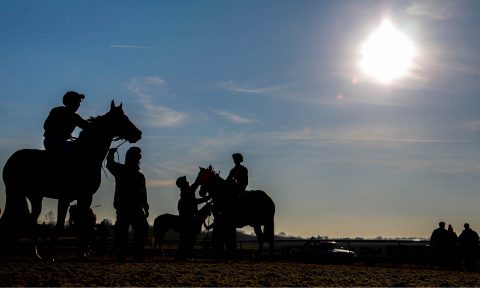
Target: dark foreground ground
(156, 271)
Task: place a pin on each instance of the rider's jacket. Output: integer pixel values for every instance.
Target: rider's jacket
(130, 189)
(61, 122)
(239, 173)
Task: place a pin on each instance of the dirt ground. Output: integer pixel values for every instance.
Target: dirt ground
(156, 271)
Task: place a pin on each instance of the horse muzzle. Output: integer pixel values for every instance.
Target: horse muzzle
(135, 137)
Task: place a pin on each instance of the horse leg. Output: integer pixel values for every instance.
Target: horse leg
(83, 206)
(269, 234)
(260, 239)
(62, 207)
(15, 220)
(36, 204)
(159, 240)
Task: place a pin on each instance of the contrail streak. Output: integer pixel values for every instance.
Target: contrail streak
(129, 46)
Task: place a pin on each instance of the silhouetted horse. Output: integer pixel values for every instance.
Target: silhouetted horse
(254, 208)
(35, 174)
(166, 222)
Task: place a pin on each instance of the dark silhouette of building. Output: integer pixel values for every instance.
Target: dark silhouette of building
(130, 202)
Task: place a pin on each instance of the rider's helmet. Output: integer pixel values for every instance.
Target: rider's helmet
(71, 98)
(237, 157)
(181, 181)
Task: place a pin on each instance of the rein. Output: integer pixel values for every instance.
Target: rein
(118, 155)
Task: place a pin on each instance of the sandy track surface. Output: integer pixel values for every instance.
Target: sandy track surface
(159, 272)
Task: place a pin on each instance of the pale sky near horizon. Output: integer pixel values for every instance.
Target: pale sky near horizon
(341, 153)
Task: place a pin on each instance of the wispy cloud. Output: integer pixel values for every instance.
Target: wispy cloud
(129, 46)
(436, 9)
(473, 126)
(160, 182)
(356, 136)
(234, 118)
(144, 88)
(234, 87)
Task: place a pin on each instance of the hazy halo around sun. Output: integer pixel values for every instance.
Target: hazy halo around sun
(387, 54)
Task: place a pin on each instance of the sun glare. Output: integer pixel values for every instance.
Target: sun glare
(387, 54)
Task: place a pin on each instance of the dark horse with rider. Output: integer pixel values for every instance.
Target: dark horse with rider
(66, 171)
(71, 171)
(234, 208)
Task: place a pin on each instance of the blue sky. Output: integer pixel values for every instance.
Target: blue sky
(341, 153)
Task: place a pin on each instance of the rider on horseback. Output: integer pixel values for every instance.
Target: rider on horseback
(61, 122)
(187, 210)
(239, 175)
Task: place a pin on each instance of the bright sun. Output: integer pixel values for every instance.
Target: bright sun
(387, 54)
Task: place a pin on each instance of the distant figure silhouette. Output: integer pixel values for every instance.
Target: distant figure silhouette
(452, 248)
(238, 174)
(439, 244)
(166, 222)
(255, 208)
(130, 201)
(187, 210)
(32, 174)
(61, 122)
(469, 247)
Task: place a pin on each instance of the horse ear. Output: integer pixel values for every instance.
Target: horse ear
(121, 104)
(112, 105)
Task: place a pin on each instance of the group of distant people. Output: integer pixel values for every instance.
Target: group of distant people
(450, 250)
(130, 199)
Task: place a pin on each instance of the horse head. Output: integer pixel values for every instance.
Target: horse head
(120, 126)
(204, 178)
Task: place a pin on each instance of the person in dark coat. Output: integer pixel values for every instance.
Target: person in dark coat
(61, 122)
(439, 244)
(187, 210)
(469, 246)
(452, 248)
(130, 202)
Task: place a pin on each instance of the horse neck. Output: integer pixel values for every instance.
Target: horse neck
(93, 145)
(218, 187)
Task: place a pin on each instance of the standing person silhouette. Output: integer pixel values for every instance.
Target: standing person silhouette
(61, 121)
(452, 248)
(439, 244)
(187, 210)
(239, 174)
(130, 202)
(469, 247)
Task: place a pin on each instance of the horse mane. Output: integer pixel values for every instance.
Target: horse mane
(92, 121)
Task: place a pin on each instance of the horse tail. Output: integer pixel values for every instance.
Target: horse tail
(269, 228)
